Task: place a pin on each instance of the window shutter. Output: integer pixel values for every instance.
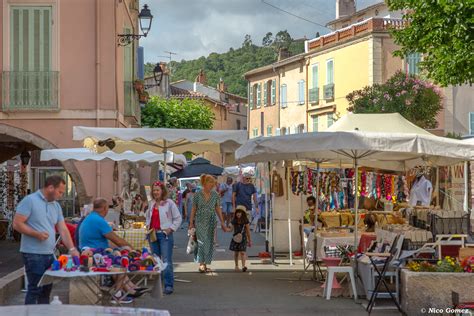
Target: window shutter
(273, 91)
(330, 117)
(330, 71)
(265, 94)
(315, 123)
(259, 94)
(471, 123)
(301, 92)
(251, 96)
(283, 96)
(314, 77)
(277, 132)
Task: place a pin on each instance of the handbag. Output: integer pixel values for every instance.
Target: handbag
(151, 235)
(239, 236)
(192, 244)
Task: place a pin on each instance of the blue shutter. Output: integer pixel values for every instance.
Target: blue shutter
(301, 92)
(141, 66)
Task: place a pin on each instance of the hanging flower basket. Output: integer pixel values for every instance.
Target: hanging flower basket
(143, 97)
(139, 86)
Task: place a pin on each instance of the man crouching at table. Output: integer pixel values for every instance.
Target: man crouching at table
(95, 232)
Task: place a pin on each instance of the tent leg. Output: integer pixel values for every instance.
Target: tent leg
(288, 178)
(165, 158)
(267, 192)
(316, 220)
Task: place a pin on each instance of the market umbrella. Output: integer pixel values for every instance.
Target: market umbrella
(84, 154)
(197, 167)
(160, 140)
(399, 151)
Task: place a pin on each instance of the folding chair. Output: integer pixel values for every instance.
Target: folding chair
(310, 259)
(387, 260)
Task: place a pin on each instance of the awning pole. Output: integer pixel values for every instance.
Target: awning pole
(267, 192)
(289, 214)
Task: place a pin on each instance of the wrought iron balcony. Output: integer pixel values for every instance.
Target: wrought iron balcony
(314, 95)
(329, 92)
(30, 91)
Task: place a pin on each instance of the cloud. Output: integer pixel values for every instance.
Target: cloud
(194, 28)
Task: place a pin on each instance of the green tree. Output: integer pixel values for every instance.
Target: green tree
(443, 31)
(177, 113)
(416, 100)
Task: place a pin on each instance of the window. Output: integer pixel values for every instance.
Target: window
(315, 123)
(412, 61)
(273, 97)
(255, 132)
(315, 76)
(300, 128)
(238, 124)
(269, 130)
(288, 130)
(329, 71)
(262, 123)
(301, 92)
(251, 102)
(471, 123)
(283, 131)
(30, 82)
(259, 94)
(254, 95)
(277, 132)
(330, 119)
(265, 94)
(283, 96)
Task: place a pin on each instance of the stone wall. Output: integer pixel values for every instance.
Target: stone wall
(424, 290)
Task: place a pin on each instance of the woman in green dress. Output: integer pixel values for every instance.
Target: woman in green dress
(206, 205)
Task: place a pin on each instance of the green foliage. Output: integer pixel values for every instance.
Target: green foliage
(232, 65)
(443, 31)
(177, 113)
(417, 100)
(454, 135)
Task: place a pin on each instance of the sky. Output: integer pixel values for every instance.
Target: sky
(195, 28)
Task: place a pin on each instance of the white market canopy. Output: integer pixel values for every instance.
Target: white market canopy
(159, 140)
(377, 123)
(84, 154)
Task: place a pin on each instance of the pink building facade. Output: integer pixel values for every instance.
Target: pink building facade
(62, 67)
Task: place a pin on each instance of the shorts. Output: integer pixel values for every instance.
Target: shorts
(227, 208)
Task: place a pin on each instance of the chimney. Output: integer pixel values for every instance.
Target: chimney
(283, 53)
(201, 77)
(345, 8)
(222, 87)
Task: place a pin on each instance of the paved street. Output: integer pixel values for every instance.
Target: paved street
(11, 259)
(264, 290)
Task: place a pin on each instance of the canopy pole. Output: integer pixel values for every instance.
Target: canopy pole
(316, 218)
(165, 153)
(466, 188)
(288, 185)
(356, 186)
(267, 192)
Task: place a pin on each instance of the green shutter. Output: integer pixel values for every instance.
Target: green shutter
(330, 71)
(315, 77)
(273, 91)
(471, 123)
(265, 94)
(315, 123)
(251, 96)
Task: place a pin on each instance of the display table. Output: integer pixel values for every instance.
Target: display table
(91, 282)
(135, 237)
(329, 241)
(78, 310)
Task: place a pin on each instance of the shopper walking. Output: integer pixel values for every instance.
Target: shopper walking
(225, 190)
(243, 193)
(37, 216)
(241, 237)
(162, 220)
(206, 208)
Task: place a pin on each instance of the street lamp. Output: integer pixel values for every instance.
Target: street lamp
(157, 75)
(145, 17)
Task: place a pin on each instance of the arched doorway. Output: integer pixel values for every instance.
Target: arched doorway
(14, 141)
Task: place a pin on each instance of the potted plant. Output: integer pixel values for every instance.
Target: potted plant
(139, 85)
(143, 97)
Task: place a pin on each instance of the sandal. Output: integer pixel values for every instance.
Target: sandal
(244, 269)
(202, 269)
(237, 269)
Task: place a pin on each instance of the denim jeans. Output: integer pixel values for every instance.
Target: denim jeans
(163, 248)
(35, 267)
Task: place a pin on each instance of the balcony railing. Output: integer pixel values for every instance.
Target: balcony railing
(30, 91)
(329, 92)
(314, 95)
(131, 104)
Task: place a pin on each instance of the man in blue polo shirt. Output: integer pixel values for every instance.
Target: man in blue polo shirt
(37, 216)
